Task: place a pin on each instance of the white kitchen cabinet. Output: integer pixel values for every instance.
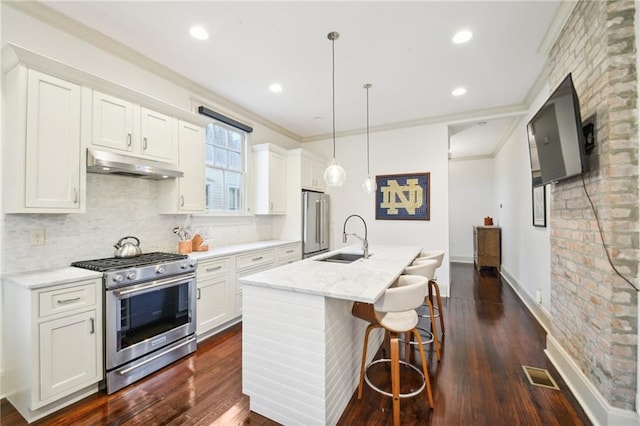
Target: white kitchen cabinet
(312, 169)
(215, 294)
(270, 179)
(187, 194)
(53, 345)
(112, 122)
(288, 253)
(250, 263)
(42, 155)
(125, 126)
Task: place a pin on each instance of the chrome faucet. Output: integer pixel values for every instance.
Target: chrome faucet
(365, 242)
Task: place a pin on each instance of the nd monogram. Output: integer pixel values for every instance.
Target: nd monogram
(408, 197)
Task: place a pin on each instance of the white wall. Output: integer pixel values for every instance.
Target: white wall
(526, 250)
(471, 199)
(407, 150)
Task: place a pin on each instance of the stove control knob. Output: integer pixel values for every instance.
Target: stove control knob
(131, 276)
(184, 266)
(118, 278)
(160, 270)
(193, 264)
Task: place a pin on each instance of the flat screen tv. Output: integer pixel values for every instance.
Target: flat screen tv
(556, 140)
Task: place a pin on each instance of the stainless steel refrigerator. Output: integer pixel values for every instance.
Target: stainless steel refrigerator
(315, 223)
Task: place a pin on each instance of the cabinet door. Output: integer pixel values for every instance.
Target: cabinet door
(277, 183)
(192, 152)
(213, 305)
(112, 122)
(156, 135)
(313, 174)
(52, 143)
(68, 354)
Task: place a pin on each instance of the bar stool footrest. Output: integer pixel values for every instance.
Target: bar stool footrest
(402, 395)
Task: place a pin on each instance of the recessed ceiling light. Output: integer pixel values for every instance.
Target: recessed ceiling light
(275, 87)
(459, 91)
(198, 32)
(462, 36)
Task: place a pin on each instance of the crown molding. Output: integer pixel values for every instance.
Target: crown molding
(481, 114)
(87, 34)
(557, 24)
(515, 123)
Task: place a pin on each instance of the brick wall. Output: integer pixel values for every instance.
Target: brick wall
(593, 309)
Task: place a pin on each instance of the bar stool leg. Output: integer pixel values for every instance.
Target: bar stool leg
(364, 357)
(395, 377)
(434, 285)
(425, 370)
(436, 342)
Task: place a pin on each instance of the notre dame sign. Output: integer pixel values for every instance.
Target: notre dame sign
(404, 197)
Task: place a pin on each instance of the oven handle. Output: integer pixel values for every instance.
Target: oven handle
(153, 358)
(152, 286)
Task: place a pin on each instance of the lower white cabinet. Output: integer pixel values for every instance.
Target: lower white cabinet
(219, 291)
(53, 346)
(215, 304)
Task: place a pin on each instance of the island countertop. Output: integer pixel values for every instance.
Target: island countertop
(362, 280)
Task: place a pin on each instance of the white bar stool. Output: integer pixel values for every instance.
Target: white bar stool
(426, 269)
(436, 255)
(395, 312)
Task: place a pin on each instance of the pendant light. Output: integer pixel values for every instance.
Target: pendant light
(334, 175)
(369, 184)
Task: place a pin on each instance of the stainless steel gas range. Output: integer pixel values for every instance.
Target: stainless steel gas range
(150, 313)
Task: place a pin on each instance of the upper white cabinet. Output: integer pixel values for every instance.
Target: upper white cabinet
(112, 123)
(313, 172)
(42, 156)
(125, 126)
(270, 179)
(187, 194)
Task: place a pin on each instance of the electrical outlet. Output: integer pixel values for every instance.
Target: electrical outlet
(539, 297)
(37, 237)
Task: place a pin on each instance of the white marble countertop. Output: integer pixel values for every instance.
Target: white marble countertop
(51, 277)
(362, 280)
(239, 248)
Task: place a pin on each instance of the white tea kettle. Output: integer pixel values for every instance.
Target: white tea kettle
(127, 249)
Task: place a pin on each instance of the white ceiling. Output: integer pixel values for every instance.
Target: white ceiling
(403, 48)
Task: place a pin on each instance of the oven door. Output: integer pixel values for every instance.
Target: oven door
(145, 317)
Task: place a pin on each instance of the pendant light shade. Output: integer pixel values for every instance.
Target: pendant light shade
(369, 185)
(334, 175)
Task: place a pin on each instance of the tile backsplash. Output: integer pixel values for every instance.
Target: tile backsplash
(117, 206)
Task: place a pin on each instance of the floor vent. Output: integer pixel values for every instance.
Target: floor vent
(540, 377)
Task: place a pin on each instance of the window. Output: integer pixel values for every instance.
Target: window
(225, 168)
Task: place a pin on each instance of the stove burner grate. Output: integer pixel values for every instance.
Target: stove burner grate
(113, 263)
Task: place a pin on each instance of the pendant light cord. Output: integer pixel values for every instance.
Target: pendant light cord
(333, 93)
(367, 87)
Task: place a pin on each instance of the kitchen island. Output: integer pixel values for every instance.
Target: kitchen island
(301, 346)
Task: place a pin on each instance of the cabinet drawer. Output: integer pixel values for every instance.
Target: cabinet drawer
(212, 268)
(288, 254)
(254, 259)
(68, 298)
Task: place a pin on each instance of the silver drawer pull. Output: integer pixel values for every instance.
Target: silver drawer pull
(214, 269)
(289, 251)
(256, 259)
(65, 301)
(93, 325)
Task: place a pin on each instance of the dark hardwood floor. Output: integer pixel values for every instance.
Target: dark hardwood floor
(479, 381)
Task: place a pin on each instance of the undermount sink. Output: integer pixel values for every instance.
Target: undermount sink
(342, 258)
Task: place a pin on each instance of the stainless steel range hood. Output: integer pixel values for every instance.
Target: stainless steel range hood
(106, 162)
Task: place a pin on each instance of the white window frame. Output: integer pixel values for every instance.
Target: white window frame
(244, 210)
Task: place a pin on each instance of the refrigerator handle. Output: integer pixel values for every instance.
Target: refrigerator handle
(318, 221)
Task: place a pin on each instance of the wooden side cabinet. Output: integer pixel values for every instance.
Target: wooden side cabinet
(486, 247)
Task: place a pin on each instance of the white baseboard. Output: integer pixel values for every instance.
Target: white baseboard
(536, 309)
(594, 405)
